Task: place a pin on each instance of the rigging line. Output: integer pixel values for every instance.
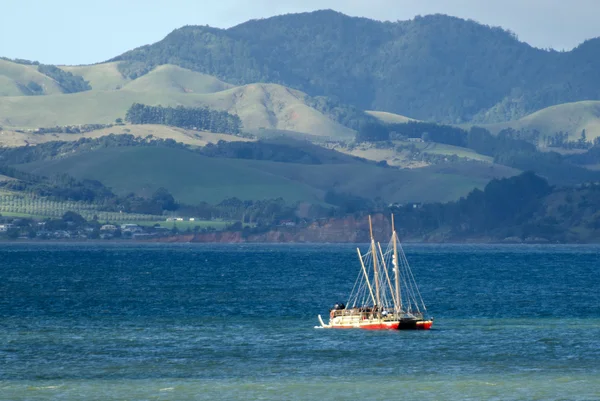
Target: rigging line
(356, 283)
(356, 290)
(410, 286)
(366, 276)
(387, 276)
(413, 279)
(407, 285)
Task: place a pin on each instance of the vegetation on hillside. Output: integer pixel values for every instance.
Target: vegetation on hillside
(295, 171)
(520, 208)
(280, 149)
(202, 119)
(431, 68)
(508, 148)
(68, 82)
(562, 125)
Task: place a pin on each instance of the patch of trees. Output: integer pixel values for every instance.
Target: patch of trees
(259, 151)
(71, 129)
(478, 139)
(277, 149)
(561, 140)
(31, 89)
(68, 82)
(161, 200)
(503, 204)
(344, 114)
(347, 203)
(203, 118)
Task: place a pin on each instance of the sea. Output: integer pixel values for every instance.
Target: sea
(124, 321)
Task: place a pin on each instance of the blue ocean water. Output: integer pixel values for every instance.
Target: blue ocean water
(221, 322)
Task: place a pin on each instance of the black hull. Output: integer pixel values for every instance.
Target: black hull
(414, 324)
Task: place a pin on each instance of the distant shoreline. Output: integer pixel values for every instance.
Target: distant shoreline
(177, 240)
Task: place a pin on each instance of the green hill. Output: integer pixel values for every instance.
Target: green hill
(260, 106)
(102, 77)
(21, 79)
(570, 118)
(192, 177)
(170, 78)
(435, 67)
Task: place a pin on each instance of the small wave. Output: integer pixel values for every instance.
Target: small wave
(43, 387)
(167, 389)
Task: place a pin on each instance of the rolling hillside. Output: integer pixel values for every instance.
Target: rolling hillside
(402, 153)
(435, 67)
(196, 138)
(260, 106)
(101, 77)
(21, 80)
(170, 78)
(570, 118)
(192, 177)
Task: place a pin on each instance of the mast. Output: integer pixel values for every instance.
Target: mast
(387, 276)
(398, 305)
(375, 271)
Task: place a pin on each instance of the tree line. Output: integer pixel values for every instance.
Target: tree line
(520, 207)
(197, 118)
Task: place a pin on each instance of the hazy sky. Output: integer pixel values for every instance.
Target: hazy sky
(83, 32)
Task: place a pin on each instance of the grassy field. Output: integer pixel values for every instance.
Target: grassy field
(389, 118)
(171, 78)
(266, 106)
(195, 138)
(405, 158)
(192, 178)
(102, 77)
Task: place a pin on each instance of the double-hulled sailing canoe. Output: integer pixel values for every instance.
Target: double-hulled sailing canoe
(385, 295)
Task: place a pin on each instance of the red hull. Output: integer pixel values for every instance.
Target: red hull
(393, 326)
(426, 325)
(413, 325)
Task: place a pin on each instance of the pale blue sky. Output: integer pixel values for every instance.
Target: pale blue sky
(84, 32)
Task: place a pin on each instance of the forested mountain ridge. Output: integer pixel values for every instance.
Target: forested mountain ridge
(435, 67)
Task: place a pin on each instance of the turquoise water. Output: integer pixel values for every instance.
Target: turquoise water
(221, 322)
